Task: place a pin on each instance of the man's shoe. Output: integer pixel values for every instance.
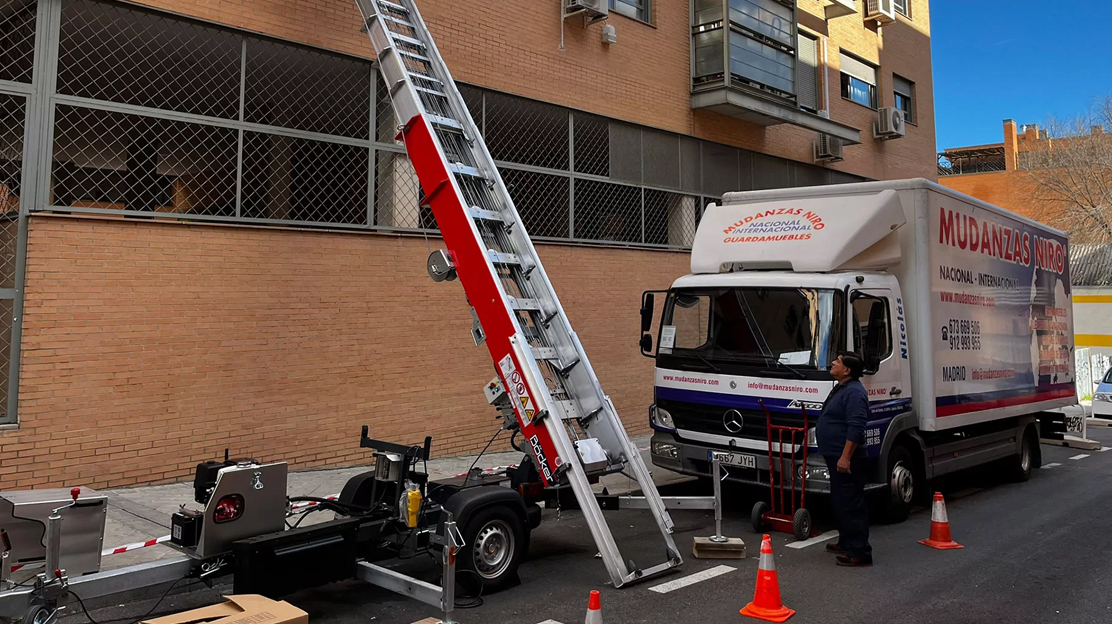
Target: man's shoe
(853, 562)
(835, 548)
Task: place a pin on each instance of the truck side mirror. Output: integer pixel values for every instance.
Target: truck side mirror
(648, 302)
(646, 344)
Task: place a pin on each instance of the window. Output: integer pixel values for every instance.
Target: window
(904, 91)
(637, 9)
(807, 73)
(858, 81)
(903, 7)
(762, 45)
(872, 333)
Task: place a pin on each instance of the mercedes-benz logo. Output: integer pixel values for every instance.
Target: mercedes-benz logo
(733, 421)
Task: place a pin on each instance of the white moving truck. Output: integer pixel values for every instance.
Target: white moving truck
(961, 310)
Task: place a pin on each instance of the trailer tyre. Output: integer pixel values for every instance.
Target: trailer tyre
(901, 485)
(494, 548)
(38, 615)
(1020, 466)
(756, 517)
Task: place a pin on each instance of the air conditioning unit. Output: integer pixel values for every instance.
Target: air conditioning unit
(828, 149)
(839, 8)
(882, 11)
(592, 10)
(889, 124)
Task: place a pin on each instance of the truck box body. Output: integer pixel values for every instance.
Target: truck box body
(986, 324)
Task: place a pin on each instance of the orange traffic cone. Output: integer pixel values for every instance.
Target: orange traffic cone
(940, 527)
(594, 609)
(766, 603)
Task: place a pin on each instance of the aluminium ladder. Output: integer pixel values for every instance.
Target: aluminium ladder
(569, 422)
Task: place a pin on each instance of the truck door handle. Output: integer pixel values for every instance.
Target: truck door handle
(895, 392)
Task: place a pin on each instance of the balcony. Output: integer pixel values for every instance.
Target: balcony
(968, 160)
(764, 80)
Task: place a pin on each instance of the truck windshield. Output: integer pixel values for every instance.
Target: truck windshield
(793, 329)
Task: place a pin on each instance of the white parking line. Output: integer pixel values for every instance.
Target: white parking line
(691, 579)
(818, 539)
(1052, 465)
(548, 622)
(1104, 448)
(1081, 456)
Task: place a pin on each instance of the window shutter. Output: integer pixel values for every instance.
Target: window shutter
(858, 69)
(807, 73)
(901, 86)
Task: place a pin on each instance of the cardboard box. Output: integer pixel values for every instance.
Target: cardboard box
(242, 609)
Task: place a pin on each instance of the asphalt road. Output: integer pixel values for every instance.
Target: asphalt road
(1038, 551)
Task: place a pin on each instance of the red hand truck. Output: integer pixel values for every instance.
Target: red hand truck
(776, 516)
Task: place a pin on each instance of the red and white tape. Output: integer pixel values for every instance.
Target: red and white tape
(303, 505)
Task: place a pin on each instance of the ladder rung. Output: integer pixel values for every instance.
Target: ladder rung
(445, 122)
(427, 79)
(465, 170)
(524, 304)
(545, 353)
(398, 21)
(506, 259)
(386, 4)
(487, 215)
(413, 55)
(432, 92)
(408, 40)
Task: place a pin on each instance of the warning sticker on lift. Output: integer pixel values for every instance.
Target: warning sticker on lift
(515, 384)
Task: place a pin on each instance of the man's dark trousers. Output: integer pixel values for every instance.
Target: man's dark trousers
(851, 513)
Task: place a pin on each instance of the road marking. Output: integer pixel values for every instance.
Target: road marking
(691, 579)
(544, 622)
(1052, 465)
(818, 539)
(1104, 448)
(1081, 456)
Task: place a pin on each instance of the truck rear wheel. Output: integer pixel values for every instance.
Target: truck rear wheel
(1019, 466)
(494, 548)
(901, 485)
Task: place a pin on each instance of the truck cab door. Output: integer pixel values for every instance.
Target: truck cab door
(880, 337)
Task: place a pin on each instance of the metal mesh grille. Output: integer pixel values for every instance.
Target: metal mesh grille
(670, 218)
(526, 132)
(295, 87)
(607, 212)
(6, 318)
(12, 113)
(144, 58)
(541, 200)
(293, 179)
(105, 159)
(17, 39)
(399, 202)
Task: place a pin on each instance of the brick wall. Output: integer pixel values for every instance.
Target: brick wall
(514, 46)
(149, 347)
(1016, 191)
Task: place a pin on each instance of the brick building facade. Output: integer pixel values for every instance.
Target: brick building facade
(211, 238)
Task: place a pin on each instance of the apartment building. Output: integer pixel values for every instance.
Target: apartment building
(212, 238)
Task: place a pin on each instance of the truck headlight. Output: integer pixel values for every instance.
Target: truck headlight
(659, 418)
(1103, 396)
(663, 449)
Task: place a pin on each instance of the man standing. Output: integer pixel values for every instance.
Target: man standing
(840, 434)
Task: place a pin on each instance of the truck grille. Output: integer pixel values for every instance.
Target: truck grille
(709, 419)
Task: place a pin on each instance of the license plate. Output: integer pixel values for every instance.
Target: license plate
(734, 459)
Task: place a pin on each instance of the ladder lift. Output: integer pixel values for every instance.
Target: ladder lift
(572, 427)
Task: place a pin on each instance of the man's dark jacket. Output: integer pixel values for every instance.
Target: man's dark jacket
(843, 417)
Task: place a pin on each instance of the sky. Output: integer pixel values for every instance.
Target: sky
(1027, 60)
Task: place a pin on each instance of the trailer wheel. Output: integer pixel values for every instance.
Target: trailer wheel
(801, 524)
(756, 517)
(38, 615)
(1020, 465)
(494, 548)
(901, 485)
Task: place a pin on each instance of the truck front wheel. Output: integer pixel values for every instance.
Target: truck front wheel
(901, 485)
